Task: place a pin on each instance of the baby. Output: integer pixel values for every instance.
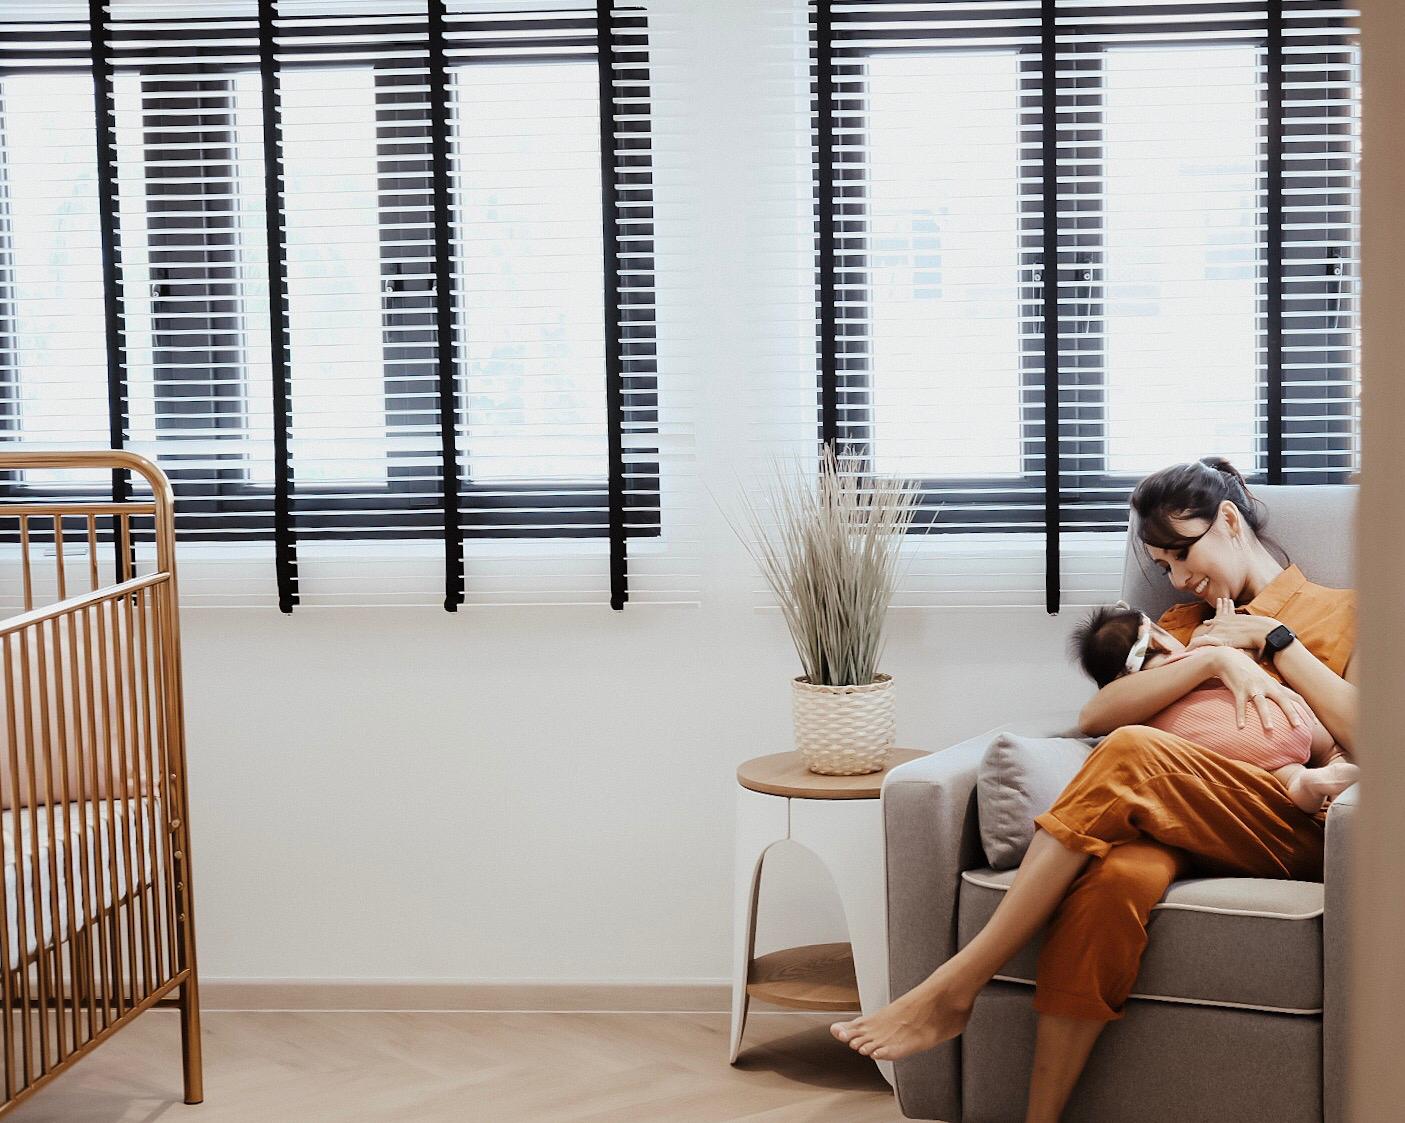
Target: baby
(1118, 640)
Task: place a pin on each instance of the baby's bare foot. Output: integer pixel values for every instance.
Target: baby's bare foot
(1313, 789)
(919, 1020)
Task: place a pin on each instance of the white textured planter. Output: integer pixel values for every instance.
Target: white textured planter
(844, 730)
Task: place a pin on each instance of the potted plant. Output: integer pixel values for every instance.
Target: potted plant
(832, 563)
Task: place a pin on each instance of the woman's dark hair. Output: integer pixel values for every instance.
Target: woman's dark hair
(1101, 640)
(1194, 491)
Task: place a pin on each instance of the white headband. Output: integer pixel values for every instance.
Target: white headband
(1137, 656)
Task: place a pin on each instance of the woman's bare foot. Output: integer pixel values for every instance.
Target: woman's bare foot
(1314, 788)
(925, 1016)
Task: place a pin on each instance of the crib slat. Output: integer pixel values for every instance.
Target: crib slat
(121, 625)
(106, 673)
(25, 576)
(21, 908)
(166, 786)
(97, 683)
(48, 950)
(121, 856)
(93, 582)
(92, 883)
(145, 805)
(85, 736)
(7, 990)
(32, 898)
(60, 577)
(61, 809)
(134, 832)
(125, 565)
(64, 802)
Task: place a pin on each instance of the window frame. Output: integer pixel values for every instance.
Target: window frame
(407, 511)
(1098, 501)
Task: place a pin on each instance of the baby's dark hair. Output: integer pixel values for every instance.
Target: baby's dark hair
(1102, 640)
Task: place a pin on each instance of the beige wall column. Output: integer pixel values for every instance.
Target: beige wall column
(1378, 920)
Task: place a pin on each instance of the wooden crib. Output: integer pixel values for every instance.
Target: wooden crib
(96, 893)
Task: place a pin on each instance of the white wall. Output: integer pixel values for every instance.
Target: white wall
(519, 794)
(547, 793)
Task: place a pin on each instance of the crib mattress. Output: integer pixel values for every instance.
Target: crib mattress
(93, 831)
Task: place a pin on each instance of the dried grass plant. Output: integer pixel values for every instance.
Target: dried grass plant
(832, 560)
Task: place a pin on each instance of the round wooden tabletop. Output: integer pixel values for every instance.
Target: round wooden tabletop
(786, 774)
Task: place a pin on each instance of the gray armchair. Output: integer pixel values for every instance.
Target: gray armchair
(1238, 1010)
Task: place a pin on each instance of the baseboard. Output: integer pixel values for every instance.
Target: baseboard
(449, 995)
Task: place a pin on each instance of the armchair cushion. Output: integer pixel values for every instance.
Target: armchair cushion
(1019, 778)
(1226, 941)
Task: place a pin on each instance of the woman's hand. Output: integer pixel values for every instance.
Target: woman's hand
(1228, 628)
(1251, 683)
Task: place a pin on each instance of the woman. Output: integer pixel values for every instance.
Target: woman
(1148, 807)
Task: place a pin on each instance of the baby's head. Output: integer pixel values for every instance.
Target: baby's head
(1114, 640)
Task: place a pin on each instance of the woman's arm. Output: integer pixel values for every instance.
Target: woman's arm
(1134, 698)
(1332, 699)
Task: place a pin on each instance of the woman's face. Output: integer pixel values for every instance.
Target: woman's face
(1213, 566)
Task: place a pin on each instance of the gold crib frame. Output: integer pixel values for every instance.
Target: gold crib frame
(92, 701)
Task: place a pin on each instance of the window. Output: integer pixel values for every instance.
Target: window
(1193, 169)
(334, 393)
(1180, 255)
(530, 304)
(943, 299)
(342, 422)
(53, 345)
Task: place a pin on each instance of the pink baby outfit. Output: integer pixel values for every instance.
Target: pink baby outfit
(1206, 717)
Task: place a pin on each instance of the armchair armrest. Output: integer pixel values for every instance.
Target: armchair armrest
(1336, 950)
(932, 833)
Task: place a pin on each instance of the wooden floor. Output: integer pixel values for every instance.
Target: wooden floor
(498, 1067)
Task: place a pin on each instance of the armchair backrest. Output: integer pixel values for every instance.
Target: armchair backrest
(1315, 525)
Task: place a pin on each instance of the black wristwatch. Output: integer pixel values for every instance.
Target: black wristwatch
(1276, 641)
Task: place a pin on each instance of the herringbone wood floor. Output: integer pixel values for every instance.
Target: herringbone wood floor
(493, 1067)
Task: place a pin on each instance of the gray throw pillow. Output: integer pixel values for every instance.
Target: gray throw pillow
(1019, 778)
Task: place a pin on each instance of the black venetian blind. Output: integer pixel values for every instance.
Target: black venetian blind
(1061, 244)
(350, 272)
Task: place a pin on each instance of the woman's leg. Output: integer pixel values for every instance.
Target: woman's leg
(1089, 960)
(938, 1007)
(1139, 783)
(1061, 1049)
(1234, 818)
(1093, 947)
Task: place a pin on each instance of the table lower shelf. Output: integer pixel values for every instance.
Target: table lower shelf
(813, 977)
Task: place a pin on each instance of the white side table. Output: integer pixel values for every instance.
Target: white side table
(838, 819)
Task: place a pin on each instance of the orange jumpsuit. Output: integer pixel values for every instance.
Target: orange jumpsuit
(1151, 807)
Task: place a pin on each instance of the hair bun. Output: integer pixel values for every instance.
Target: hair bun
(1225, 468)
